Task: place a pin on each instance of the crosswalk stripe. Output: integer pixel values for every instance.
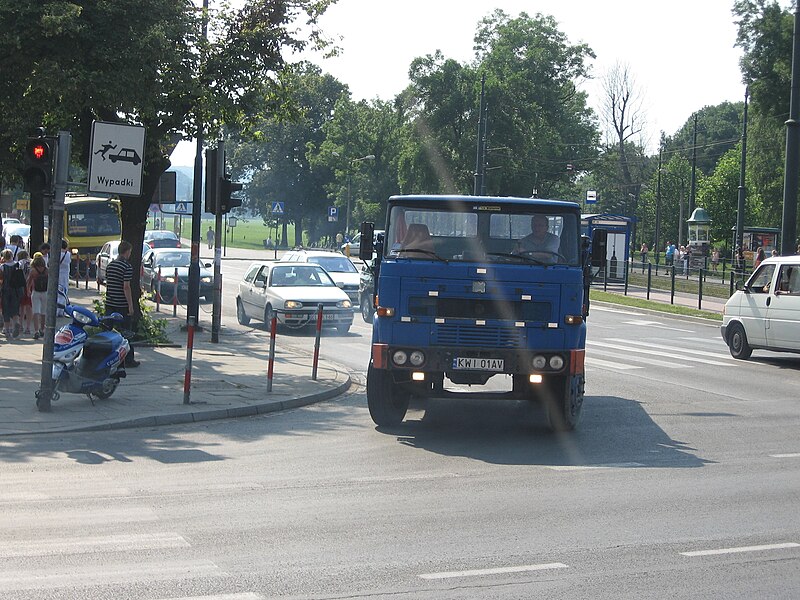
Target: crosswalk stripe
(243, 596)
(105, 574)
(660, 353)
(74, 517)
(650, 361)
(86, 545)
(680, 349)
(605, 364)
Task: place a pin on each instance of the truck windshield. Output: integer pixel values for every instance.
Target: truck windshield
(485, 233)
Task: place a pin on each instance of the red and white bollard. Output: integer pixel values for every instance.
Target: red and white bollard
(187, 376)
(175, 295)
(158, 290)
(273, 329)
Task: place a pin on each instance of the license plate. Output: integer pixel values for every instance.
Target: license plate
(329, 316)
(479, 364)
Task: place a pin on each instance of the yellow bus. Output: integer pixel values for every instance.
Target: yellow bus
(90, 222)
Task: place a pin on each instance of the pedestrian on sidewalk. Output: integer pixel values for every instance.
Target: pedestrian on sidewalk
(715, 260)
(25, 310)
(644, 250)
(760, 257)
(10, 294)
(37, 288)
(210, 237)
(119, 297)
(669, 254)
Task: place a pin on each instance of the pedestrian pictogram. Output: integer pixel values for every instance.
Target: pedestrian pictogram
(115, 158)
(277, 208)
(182, 208)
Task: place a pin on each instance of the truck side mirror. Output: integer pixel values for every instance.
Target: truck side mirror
(599, 244)
(367, 235)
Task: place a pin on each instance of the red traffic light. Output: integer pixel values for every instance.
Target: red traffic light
(39, 151)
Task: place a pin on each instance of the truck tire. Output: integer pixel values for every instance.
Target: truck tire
(563, 402)
(366, 307)
(387, 404)
(737, 342)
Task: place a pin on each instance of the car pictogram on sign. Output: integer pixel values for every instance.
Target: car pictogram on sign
(126, 154)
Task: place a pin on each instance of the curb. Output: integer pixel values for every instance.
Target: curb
(204, 415)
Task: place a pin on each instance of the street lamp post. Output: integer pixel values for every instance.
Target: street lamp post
(349, 186)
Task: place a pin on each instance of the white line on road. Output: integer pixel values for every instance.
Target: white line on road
(742, 549)
(243, 596)
(792, 455)
(496, 571)
(659, 353)
(624, 465)
(109, 543)
(650, 361)
(679, 349)
(656, 325)
(607, 364)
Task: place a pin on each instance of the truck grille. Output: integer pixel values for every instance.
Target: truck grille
(471, 335)
(479, 308)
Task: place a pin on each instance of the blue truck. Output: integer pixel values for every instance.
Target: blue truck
(470, 287)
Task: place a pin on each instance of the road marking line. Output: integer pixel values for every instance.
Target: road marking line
(648, 361)
(624, 465)
(675, 348)
(742, 549)
(659, 353)
(497, 571)
(243, 596)
(109, 543)
(792, 455)
(599, 362)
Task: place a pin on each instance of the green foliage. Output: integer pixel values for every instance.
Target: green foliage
(719, 128)
(149, 329)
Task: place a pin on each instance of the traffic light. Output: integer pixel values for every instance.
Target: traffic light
(39, 163)
(211, 179)
(227, 189)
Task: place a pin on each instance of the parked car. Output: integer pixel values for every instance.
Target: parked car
(366, 291)
(353, 247)
(161, 238)
(339, 267)
(9, 222)
(170, 261)
(109, 252)
(765, 313)
(17, 229)
(291, 291)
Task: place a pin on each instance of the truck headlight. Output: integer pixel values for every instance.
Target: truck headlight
(417, 358)
(400, 357)
(556, 362)
(539, 362)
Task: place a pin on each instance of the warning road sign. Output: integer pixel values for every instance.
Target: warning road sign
(277, 208)
(115, 158)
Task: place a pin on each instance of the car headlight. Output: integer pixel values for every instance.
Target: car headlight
(539, 362)
(169, 279)
(344, 304)
(205, 279)
(293, 304)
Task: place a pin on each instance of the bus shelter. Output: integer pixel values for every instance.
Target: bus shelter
(620, 233)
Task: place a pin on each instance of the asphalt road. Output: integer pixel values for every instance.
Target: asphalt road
(682, 482)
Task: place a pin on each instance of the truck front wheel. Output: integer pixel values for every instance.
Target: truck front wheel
(563, 401)
(387, 404)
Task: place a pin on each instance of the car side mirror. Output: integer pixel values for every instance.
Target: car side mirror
(365, 249)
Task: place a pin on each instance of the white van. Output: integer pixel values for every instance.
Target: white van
(765, 313)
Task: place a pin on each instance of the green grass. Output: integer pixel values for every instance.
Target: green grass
(674, 309)
(711, 287)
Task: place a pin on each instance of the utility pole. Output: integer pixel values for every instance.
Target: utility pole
(790, 178)
(742, 169)
(218, 173)
(657, 248)
(480, 159)
(45, 394)
(694, 168)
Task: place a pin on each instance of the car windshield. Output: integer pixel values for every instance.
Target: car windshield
(334, 264)
(173, 259)
(160, 235)
(509, 233)
(300, 276)
(23, 230)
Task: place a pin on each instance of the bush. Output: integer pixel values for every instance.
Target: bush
(149, 329)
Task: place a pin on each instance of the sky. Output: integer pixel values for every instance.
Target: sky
(681, 52)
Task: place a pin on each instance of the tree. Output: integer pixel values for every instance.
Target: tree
(64, 66)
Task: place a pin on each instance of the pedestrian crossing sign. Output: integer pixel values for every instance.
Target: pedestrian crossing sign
(277, 208)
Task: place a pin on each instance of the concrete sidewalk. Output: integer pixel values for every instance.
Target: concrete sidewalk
(229, 379)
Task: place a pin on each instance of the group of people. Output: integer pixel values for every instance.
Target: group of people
(23, 288)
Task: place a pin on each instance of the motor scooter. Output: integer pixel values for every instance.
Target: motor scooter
(88, 364)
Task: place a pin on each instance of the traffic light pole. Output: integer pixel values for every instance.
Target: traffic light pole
(216, 311)
(46, 388)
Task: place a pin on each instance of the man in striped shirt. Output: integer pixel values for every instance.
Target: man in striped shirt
(118, 291)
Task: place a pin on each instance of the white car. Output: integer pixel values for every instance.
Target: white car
(292, 291)
(341, 269)
(17, 229)
(765, 313)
